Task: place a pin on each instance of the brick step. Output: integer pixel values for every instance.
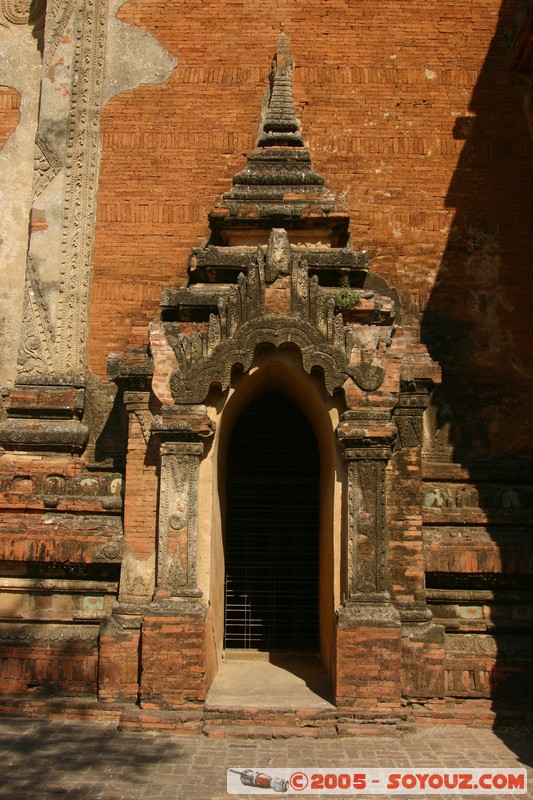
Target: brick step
(246, 714)
(216, 730)
(313, 723)
(475, 712)
(186, 723)
(67, 707)
(371, 722)
(274, 723)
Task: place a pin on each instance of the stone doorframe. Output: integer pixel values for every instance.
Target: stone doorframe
(274, 310)
(267, 281)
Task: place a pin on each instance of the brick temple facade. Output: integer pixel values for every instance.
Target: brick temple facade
(267, 360)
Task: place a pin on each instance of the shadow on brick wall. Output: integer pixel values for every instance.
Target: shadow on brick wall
(477, 326)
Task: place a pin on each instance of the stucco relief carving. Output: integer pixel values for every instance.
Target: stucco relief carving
(278, 255)
(464, 644)
(58, 15)
(440, 430)
(81, 175)
(37, 351)
(109, 551)
(408, 414)
(366, 525)
(144, 418)
(46, 166)
(48, 633)
(23, 12)
(53, 342)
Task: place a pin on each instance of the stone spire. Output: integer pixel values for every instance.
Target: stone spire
(278, 187)
(281, 125)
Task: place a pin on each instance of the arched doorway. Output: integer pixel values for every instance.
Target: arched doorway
(272, 529)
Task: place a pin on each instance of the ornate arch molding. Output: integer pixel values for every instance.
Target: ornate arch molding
(277, 303)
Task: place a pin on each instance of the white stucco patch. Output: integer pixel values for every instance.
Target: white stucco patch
(133, 57)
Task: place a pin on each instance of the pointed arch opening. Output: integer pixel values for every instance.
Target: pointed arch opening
(272, 529)
(303, 405)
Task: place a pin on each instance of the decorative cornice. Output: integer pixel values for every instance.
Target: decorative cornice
(48, 633)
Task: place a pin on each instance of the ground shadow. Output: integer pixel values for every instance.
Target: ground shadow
(54, 758)
(308, 667)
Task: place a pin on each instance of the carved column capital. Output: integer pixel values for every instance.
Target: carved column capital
(367, 435)
(181, 449)
(138, 404)
(188, 423)
(136, 400)
(408, 414)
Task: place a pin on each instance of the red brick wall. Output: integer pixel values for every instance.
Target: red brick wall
(9, 113)
(408, 108)
(48, 666)
(368, 667)
(174, 663)
(118, 666)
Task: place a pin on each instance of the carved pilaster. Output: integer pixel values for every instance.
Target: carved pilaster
(137, 575)
(368, 631)
(177, 541)
(367, 439)
(366, 523)
(81, 182)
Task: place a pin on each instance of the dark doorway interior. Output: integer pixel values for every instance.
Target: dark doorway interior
(272, 527)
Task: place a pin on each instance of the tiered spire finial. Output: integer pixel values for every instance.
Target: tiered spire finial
(278, 187)
(281, 125)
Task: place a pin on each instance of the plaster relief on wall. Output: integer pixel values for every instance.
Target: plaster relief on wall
(23, 12)
(246, 321)
(82, 39)
(133, 57)
(20, 68)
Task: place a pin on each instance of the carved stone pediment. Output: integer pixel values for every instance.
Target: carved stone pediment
(276, 303)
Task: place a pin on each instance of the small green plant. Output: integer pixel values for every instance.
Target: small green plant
(347, 297)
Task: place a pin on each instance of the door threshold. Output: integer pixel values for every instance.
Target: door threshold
(270, 681)
(274, 656)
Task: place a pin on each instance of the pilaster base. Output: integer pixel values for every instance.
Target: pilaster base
(175, 639)
(422, 660)
(119, 665)
(368, 657)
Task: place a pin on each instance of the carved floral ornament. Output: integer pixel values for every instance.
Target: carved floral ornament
(23, 12)
(243, 323)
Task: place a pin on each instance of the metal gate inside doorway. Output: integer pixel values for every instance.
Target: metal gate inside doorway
(272, 528)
